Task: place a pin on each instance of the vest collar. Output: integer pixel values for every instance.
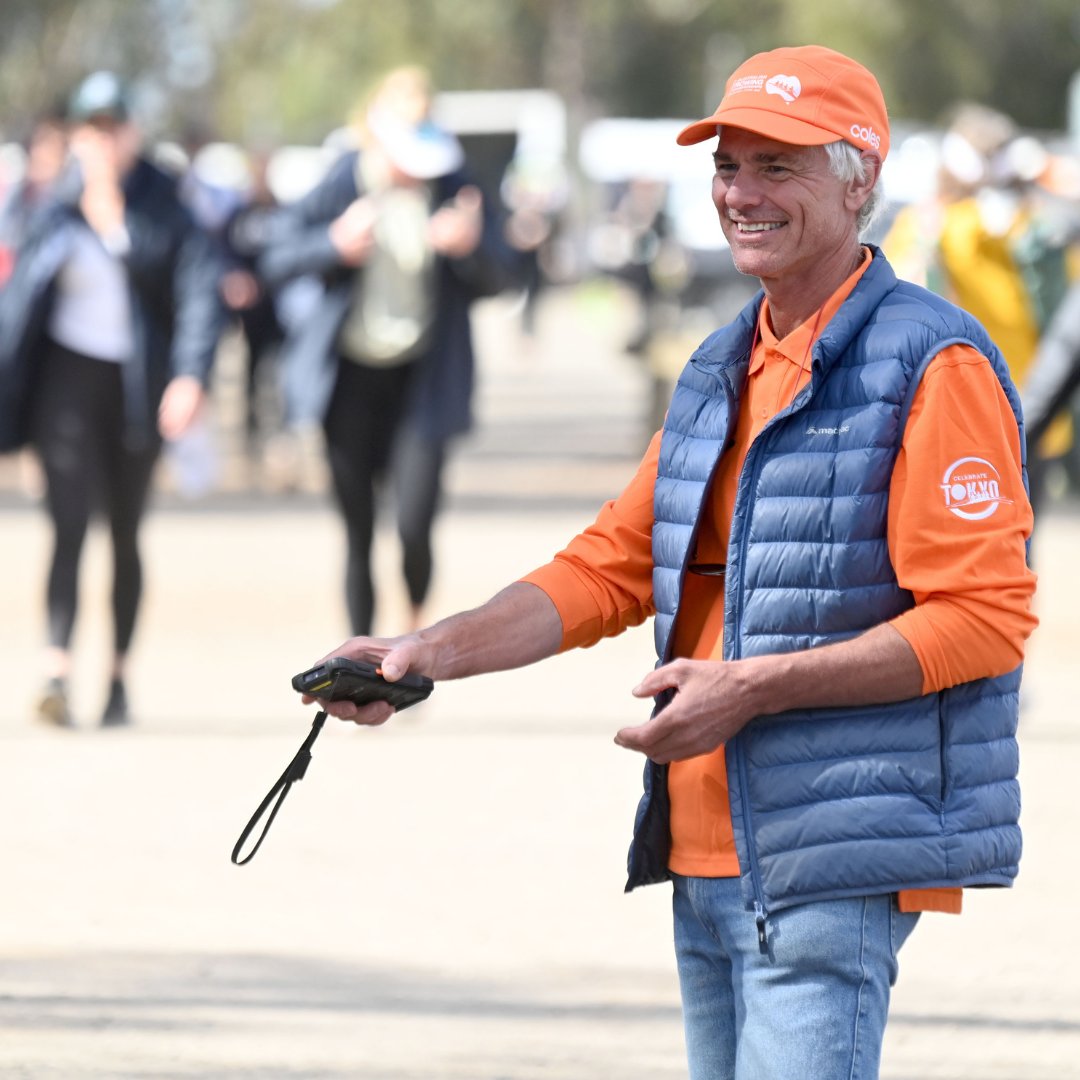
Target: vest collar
(842, 329)
(731, 345)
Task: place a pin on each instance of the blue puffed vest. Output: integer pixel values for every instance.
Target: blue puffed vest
(828, 803)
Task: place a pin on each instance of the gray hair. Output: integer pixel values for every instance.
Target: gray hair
(846, 164)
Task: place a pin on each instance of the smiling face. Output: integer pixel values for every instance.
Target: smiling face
(788, 219)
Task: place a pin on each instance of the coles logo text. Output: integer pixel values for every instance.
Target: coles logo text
(972, 489)
(867, 135)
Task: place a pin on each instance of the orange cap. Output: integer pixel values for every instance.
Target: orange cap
(806, 96)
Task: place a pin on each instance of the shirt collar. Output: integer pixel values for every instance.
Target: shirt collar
(796, 346)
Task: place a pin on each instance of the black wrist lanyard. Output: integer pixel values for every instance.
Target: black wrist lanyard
(294, 771)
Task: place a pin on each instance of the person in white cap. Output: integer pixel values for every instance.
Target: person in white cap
(830, 533)
(404, 243)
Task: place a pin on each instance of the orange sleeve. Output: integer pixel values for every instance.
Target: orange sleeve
(601, 582)
(958, 522)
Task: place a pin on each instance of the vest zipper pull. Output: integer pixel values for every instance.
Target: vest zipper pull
(762, 932)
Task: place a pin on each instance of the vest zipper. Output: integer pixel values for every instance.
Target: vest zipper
(761, 914)
(762, 932)
(688, 557)
(755, 470)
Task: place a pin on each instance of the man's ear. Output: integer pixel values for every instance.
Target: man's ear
(859, 189)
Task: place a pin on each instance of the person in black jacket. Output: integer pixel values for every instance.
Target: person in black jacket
(403, 243)
(108, 328)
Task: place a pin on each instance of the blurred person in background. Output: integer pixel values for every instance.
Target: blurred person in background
(640, 214)
(245, 235)
(403, 243)
(627, 242)
(830, 534)
(535, 195)
(997, 243)
(46, 152)
(108, 328)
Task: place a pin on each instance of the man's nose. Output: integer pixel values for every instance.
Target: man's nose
(737, 192)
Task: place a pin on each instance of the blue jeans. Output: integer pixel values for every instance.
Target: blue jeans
(813, 1008)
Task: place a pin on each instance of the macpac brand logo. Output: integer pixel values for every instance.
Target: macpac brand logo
(867, 135)
(843, 429)
(972, 489)
(786, 86)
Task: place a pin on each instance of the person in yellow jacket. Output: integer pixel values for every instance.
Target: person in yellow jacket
(995, 243)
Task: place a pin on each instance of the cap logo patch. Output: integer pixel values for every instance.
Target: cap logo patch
(786, 86)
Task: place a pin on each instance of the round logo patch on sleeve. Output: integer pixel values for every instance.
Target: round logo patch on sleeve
(972, 488)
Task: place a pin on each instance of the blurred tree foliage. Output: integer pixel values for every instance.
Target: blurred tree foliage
(267, 70)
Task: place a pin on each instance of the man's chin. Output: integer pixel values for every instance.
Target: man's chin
(753, 263)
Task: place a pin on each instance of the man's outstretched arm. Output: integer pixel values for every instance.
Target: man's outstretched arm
(516, 627)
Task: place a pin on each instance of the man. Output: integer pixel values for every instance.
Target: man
(830, 531)
(108, 328)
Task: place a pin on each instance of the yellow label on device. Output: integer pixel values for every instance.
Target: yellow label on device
(321, 686)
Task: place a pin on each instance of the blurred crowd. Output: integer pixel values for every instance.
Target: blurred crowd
(645, 225)
(124, 263)
(242, 198)
(999, 233)
(979, 210)
(344, 274)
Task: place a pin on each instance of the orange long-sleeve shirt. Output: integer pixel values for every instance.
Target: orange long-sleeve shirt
(966, 567)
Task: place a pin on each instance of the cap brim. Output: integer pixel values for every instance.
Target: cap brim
(761, 122)
(697, 132)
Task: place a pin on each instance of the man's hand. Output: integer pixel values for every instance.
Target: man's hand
(711, 701)
(393, 656)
